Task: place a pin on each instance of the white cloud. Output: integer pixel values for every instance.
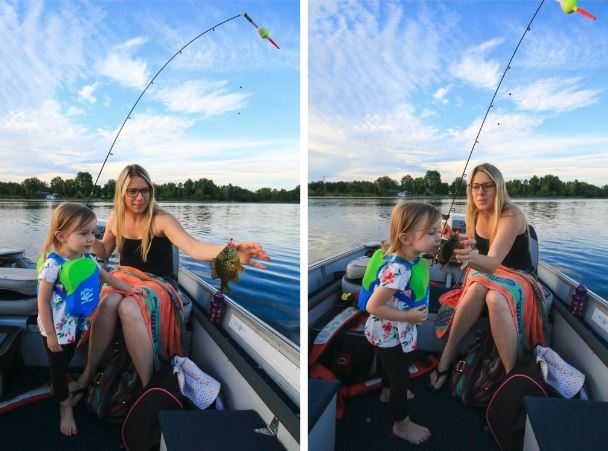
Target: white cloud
(440, 95)
(74, 111)
(209, 98)
(121, 66)
(474, 68)
(86, 93)
(554, 95)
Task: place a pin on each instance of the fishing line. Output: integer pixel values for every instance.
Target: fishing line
(262, 32)
(462, 177)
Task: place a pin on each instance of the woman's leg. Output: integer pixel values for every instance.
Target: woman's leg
(137, 338)
(102, 332)
(468, 312)
(503, 328)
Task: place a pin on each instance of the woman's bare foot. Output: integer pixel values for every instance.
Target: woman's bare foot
(386, 393)
(67, 424)
(410, 431)
(76, 392)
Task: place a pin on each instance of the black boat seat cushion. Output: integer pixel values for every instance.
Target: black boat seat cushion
(215, 430)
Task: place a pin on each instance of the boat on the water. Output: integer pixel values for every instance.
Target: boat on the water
(366, 422)
(258, 369)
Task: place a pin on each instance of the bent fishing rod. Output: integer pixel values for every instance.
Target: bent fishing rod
(262, 32)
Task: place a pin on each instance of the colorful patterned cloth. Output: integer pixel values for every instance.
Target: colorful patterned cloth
(523, 293)
(161, 307)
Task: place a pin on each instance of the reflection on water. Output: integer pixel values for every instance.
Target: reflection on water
(273, 294)
(573, 235)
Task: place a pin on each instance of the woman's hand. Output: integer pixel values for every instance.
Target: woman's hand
(53, 344)
(135, 290)
(417, 315)
(247, 251)
(464, 252)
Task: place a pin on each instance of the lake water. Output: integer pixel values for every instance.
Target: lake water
(572, 233)
(272, 294)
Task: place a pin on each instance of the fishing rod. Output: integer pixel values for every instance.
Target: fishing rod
(445, 250)
(262, 32)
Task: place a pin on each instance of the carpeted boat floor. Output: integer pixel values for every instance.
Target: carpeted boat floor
(367, 423)
(35, 426)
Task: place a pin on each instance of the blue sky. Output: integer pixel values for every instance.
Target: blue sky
(226, 109)
(400, 88)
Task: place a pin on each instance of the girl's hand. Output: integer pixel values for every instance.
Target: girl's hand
(53, 344)
(247, 251)
(463, 253)
(417, 315)
(135, 290)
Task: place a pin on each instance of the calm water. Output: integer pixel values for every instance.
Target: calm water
(572, 233)
(271, 294)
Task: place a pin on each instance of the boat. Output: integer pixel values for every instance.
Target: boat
(366, 422)
(257, 367)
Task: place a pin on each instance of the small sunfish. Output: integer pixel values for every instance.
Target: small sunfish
(226, 266)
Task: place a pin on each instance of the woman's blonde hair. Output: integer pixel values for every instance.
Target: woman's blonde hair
(502, 201)
(125, 177)
(67, 217)
(405, 217)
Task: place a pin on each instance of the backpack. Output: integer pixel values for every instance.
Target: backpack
(505, 415)
(114, 388)
(141, 428)
(478, 375)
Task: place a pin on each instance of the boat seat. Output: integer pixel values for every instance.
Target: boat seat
(215, 430)
(544, 414)
(322, 414)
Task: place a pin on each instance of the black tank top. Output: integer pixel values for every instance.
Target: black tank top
(160, 256)
(519, 255)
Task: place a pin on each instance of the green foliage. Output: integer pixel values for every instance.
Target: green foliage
(431, 185)
(203, 190)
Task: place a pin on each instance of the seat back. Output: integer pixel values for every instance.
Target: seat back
(533, 247)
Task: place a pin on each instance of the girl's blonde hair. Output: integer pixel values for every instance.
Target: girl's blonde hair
(502, 201)
(406, 217)
(134, 170)
(67, 217)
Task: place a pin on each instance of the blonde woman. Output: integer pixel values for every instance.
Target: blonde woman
(144, 235)
(497, 252)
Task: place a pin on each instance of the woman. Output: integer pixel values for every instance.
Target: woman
(499, 276)
(144, 235)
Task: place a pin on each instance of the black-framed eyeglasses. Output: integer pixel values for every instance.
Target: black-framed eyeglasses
(477, 187)
(133, 192)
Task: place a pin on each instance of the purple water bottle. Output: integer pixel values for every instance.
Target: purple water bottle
(579, 301)
(216, 308)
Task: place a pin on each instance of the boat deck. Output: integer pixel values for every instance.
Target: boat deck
(35, 427)
(367, 423)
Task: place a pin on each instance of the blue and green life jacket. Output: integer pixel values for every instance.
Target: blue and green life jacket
(418, 283)
(80, 280)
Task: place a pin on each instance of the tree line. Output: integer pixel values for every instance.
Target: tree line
(431, 185)
(203, 189)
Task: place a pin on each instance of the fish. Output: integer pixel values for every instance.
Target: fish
(446, 249)
(226, 266)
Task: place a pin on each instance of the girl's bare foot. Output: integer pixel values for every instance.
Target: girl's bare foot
(386, 393)
(410, 431)
(67, 424)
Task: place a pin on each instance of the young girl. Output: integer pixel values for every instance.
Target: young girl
(71, 236)
(391, 326)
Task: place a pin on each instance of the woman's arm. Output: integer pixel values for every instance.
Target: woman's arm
(179, 237)
(103, 248)
(45, 291)
(508, 228)
(377, 306)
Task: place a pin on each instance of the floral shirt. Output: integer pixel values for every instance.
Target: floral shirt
(67, 327)
(384, 333)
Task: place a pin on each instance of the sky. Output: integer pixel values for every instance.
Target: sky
(226, 108)
(401, 87)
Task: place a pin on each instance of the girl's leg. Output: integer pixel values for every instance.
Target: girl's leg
(468, 311)
(385, 393)
(503, 328)
(395, 363)
(58, 368)
(137, 338)
(102, 332)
